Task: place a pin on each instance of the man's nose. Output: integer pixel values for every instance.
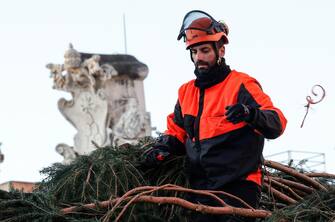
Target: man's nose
(198, 56)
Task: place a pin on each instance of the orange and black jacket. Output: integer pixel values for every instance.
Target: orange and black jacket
(218, 151)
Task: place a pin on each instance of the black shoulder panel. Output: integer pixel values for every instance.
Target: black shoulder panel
(178, 116)
(246, 98)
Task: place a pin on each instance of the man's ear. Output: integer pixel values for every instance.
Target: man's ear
(222, 51)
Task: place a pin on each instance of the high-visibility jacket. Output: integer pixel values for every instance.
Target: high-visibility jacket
(218, 151)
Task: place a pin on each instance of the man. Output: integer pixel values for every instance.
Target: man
(220, 121)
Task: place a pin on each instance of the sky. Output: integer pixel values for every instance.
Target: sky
(287, 45)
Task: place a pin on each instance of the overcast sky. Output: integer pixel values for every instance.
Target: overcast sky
(287, 45)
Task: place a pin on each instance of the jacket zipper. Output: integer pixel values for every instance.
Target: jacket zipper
(197, 120)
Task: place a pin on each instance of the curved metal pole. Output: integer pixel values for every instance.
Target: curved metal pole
(311, 101)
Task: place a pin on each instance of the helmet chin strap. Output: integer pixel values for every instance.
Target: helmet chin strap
(216, 49)
(191, 56)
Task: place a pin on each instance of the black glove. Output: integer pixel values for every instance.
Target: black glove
(238, 113)
(155, 156)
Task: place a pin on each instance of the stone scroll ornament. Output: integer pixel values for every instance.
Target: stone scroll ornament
(87, 111)
(107, 105)
(310, 101)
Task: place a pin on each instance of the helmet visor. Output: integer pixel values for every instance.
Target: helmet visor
(198, 20)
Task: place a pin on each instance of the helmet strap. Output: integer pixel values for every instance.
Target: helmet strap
(216, 50)
(219, 61)
(191, 55)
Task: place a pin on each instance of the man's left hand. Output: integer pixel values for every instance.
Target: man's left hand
(238, 113)
(155, 156)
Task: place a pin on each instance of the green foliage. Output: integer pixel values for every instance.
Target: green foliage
(107, 173)
(110, 172)
(37, 206)
(317, 207)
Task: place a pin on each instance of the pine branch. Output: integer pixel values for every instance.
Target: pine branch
(294, 173)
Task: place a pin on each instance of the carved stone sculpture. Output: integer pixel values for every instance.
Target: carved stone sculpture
(67, 152)
(107, 100)
(131, 125)
(88, 114)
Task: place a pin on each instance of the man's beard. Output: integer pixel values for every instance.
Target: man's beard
(211, 75)
(203, 71)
